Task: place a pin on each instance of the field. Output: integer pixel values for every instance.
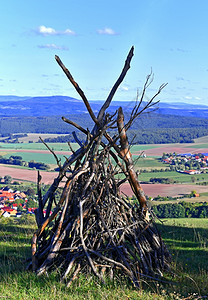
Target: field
(38, 152)
(177, 177)
(171, 190)
(186, 239)
(34, 137)
(44, 156)
(37, 146)
(27, 175)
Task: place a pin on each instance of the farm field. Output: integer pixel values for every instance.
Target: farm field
(176, 176)
(170, 190)
(200, 199)
(186, 240)
(37, 146)
(43, 156)
(34, 137)
(39, 153)
(27, 175)
(149, 150)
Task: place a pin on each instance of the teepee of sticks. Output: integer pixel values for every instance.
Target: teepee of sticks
(93, 228)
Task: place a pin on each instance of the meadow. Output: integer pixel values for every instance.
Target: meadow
(46, 158)
(186, 240)
(38, 146)
(175, 176)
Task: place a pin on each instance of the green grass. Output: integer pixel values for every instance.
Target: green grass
(38, 146)
(136, 148)
(149, 162)
(46, 158)
(185, 238)
(179, 177)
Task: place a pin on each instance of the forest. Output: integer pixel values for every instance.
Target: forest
(148, 129)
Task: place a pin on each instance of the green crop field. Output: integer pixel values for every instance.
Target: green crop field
(186, 239)
(149, 162)
(38, 146)
(136, 148)
(46, 158)
(179, 177)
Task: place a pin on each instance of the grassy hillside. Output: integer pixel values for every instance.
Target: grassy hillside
(203, 139)
(186, 239)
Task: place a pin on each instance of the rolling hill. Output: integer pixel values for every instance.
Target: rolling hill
(63, 105)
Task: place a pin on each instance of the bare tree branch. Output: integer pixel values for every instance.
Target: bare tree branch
(116, 85)
(78, 89)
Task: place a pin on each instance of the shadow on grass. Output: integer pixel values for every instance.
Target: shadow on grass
(187, 241)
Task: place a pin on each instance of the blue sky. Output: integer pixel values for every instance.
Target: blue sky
(92, 38)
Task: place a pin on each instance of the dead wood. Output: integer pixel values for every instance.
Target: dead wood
(93, 228)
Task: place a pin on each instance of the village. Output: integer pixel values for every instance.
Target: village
(187, 163)
(14, 203)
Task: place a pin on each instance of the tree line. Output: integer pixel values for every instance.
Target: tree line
(181, 210)
(17, 160)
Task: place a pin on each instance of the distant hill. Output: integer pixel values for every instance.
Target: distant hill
(170, 123)
(184, 109)
(63, 105)
(12, 98)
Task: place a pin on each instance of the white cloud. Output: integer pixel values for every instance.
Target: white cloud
(188, 97)
(53, 46)
(46, 30)
(43, 30)
(123, 88)
(107, 31)
(69, 31)
(192, 98)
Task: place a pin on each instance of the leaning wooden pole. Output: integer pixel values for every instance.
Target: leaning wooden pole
(127, 157)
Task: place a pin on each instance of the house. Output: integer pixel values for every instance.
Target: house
(166, 160)
(18, 215)
(7, 189)
(8, 212)
(192, 172)
(31, 210)
(196, 195)
(14, 206)
(22, 195)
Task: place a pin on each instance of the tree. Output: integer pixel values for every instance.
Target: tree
(193, 193)
(193, 179)
(7, 179)
(30, 192)
(31, 203)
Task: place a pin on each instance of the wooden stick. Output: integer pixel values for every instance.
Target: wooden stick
(129, 163)
(116, 85)
(78, 89)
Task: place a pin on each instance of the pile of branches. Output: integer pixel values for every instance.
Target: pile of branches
(93, 228)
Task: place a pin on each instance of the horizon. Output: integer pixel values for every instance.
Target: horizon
(95, 100)
(93, 39)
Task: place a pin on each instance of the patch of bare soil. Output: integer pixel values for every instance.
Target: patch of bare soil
(27, 175)
(171, 190)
